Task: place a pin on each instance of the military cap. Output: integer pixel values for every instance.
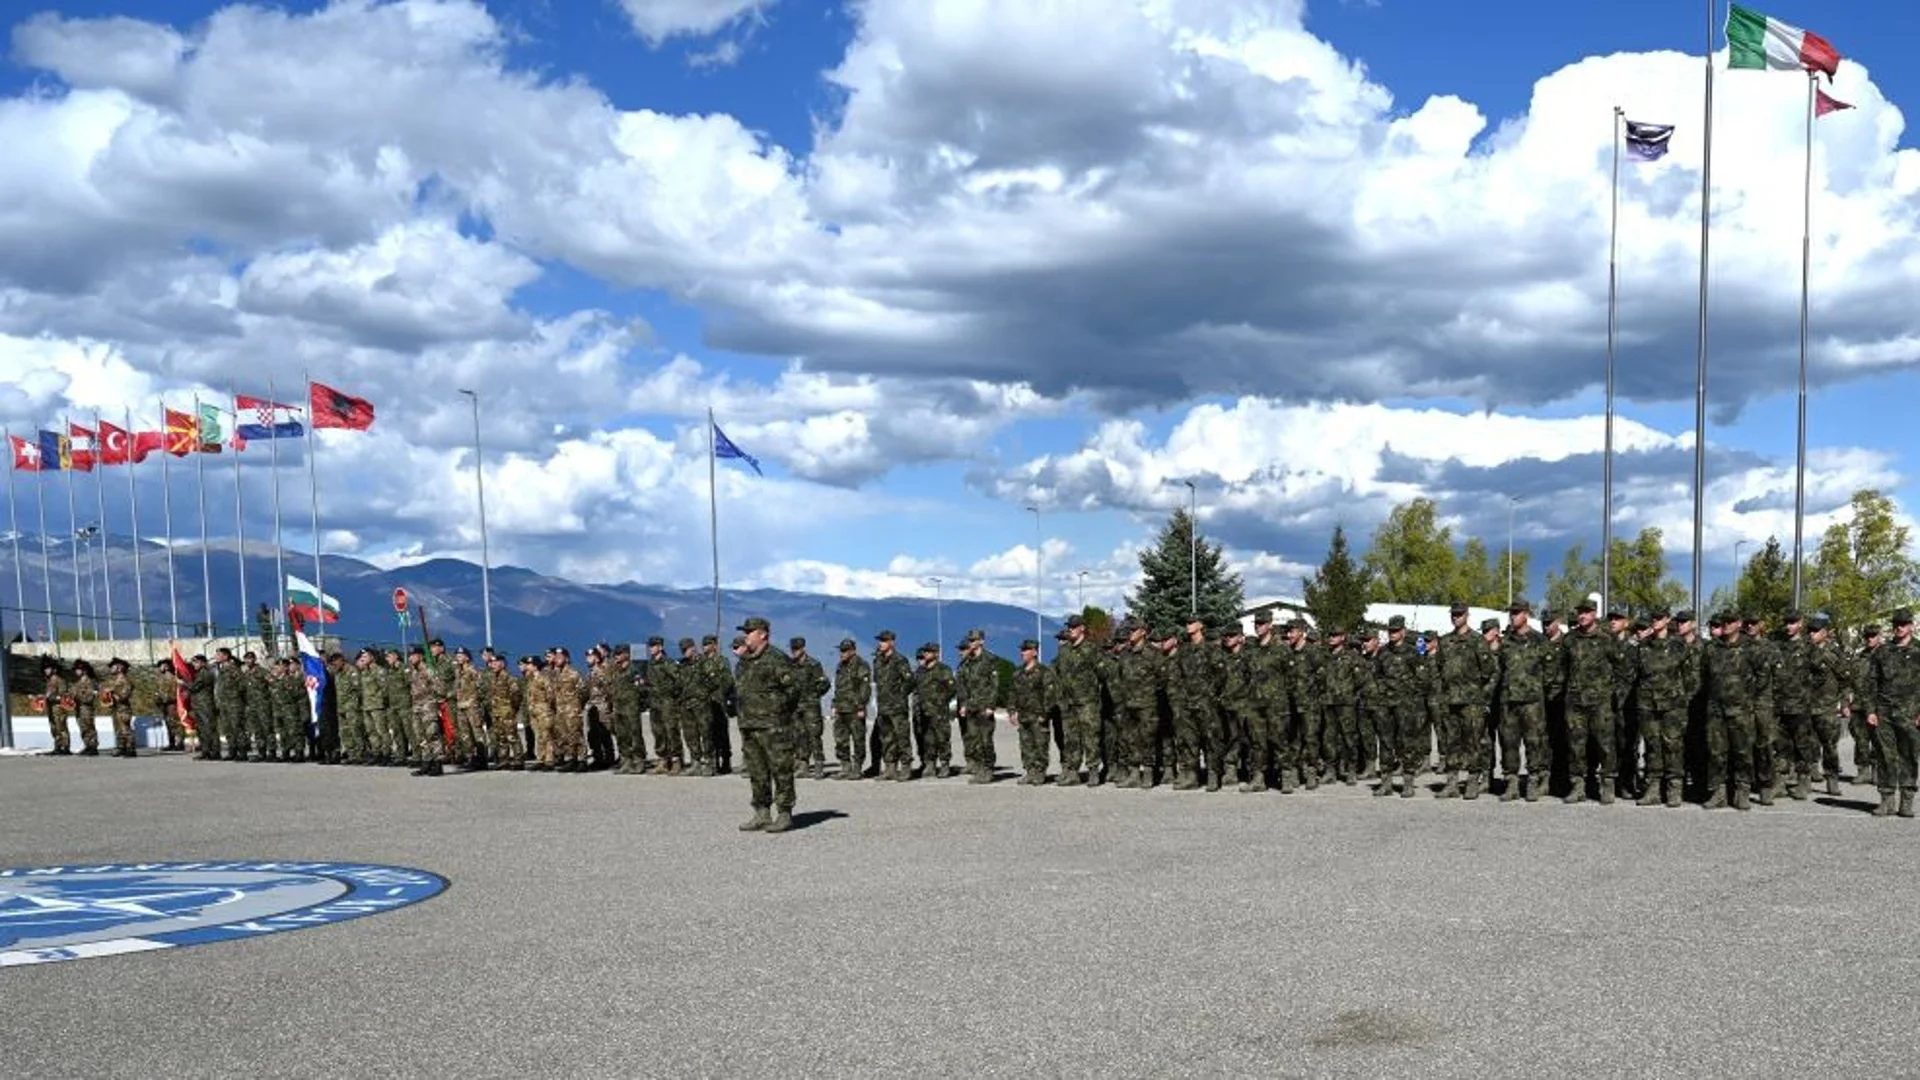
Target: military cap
(797, 643)
(686, 643)
(1398, 622)
(1717, 619)
(885, 635)
(976, 634)
(366, 650)
(1213, 633)
(1489, 624)
(623, 649)
(1903, 617)
(1585, 606)
(416, 651)
(1458, 608)
(1660, 612)
(1075, 621)
(710, 639)
(1029, 645)
(1748, 618)
(436, 641)
(1062, 636)
(1548, 615)
(753, 623)
(1614, 612)
(1164, 633)
(462, 651)
(1519, 606)
(1870, 630)
(1263, 618)
(928, 648)
(1794, 617)
(1819, 622)
(251, 655)
(1194, 617)
(1233, 630)
(116, 662)
(847, 643)
(1639, 625)
(1684, 615)
(739, 642)
(1296, 623)
(561, 650)
(657, 640)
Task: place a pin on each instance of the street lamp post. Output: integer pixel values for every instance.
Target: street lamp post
(1038, 637)
(1739, 572)
(1083, 592)
(1193, 550)
(939, 621)
(1512, 501)
(480, 492)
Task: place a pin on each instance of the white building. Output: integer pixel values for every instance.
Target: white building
(1422, 618)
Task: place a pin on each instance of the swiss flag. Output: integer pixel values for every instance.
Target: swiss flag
(26, 455)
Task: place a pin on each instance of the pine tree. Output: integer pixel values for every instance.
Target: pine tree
(1337, 593)
(1765, 587)
(1167, 571)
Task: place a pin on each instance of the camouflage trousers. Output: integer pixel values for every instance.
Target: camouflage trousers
(1265, 737)
(1080, 738)
(176, 731)
(1464, 746)
(1896, 755)
(696, 733)
(933, 734)
(1766, 741)
(1828, 729)
(1191, 725)
(399, 733)
(809, 736)
(540, 723)
(469, 728)
(1801, 743)
(628, 739)
(719, 738)
(122, 730)
(430, 740)
(666, 734)
(896, 736)
(1344, 750)
(849, 740)
(976, 739)
(233, 728)
(1034, 749)
(1590, 742)
(261, 733)
(503, 737)
(1135, 736)
(1406, 739)
(1225, 751)
(291, 727)
(353, 735)
(1730, 729)
(1663, 733)
(570, 734)
(1300, 746)
(769, 761)
(1523, 725)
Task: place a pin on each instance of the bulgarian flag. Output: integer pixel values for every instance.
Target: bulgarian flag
(1756, 41)
(309, 603)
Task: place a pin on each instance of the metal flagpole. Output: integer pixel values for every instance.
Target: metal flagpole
(106, 544)
(13, 527)
(166, 523)
(239, 522)
(480, 492)
(713, 518)
(46, 560)
(279, 559)
(1613, 325)
(133, 513)
(73, 529)
(1806, 269)
(200, 470)
(1700, 341)
(313, 495)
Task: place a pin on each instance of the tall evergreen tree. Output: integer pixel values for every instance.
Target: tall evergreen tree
(1577, 577)
(1337, 592)
(1167, 570)
(1765, 587)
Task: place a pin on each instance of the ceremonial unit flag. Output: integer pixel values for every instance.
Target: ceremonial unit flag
(332, 409)
(309, 603)
(1648, 142)
(1758, 42)
(1824, 103)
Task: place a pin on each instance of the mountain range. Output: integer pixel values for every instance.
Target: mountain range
(531, 611)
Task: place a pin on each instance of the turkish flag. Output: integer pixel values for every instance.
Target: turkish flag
(114, 447)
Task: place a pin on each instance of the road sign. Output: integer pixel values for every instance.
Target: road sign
(400, 601)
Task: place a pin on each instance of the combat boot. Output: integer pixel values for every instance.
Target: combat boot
(1675, 792)
(1213, 780)
(1798, 788)
(903, 771)
(1512, 790)
(978, 776)
(1407, 786)
(1286, 781)
(1450, 789)
(1607, 791)
(1188, 780)
(1770, 791)
(1474, 786)
(1143, 778)
(1070, 778)
(1764, 796)
(1885, 808)
(1740, 798)
(1833, 784)
(1310, 779)
(1906, 803)
(819, 770)
(1258, 783)
(1384, 787)
(1863, 775)
(1717, 800)
(758, 822)
(1651, 796)
(1536, 787)
(782, 822)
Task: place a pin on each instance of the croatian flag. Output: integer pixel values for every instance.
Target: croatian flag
(314, 667)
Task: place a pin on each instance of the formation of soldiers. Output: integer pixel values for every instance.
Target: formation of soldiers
(1654, 711)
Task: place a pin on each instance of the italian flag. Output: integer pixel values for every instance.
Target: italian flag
(1756, 41)
(309, 604)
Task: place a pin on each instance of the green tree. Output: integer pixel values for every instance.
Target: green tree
(1099, 624)
(1861, 569)
(1481, 580)
(1411, 560)
(1765, 587)
(1337, 592)
(1577, 577)
(1640, 581)
(1167, 570)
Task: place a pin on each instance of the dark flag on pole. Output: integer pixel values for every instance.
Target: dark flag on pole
(1824, 103)
(723, 448)
(333, 409)
(1648, 142)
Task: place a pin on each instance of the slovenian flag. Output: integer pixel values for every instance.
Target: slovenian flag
(1757, 42)
(306, 601)
(313, 666)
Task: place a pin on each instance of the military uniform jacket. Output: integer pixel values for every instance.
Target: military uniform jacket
(977, 683)
(1828, 677)
(1077, 675)
(1523, 659)
(1728, 674)
(810, 684)
(1589, 668)
(121, 690)
(1267, 675)
(467, 704)
(933, 689)
(1342, 678)
(1793, 693)
(1309, 677)
(1033, 692)
(766, 690)
(253, 691)
(892, 681)
(502, 695)
(623, 690)
(1198, 667)
(1399, 678)
(229, 696)
(1662, 680)
(852, 685)
(1893, 682)
(1139, 678)
(203, 696)
(569, 692)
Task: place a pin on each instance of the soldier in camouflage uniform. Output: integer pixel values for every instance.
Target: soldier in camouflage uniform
(229, 708)
(809, 725)
(204, 706)
(1866, 751)
(398, 689)
(426, 689)
(1372, 721)
(852, 696)
(623, 702)
(976, 689)
(1077, 689)
(1467, 676)
(933, 690)
(718, 679)
(1893, 694)
(1226, 743)
(116, 692)
(663, 708)
(287, 691)
(690, 706)
(1267, 705)
(1306, 684)
(166, 691)
(1033, 697)
(1136, 690)
(1588, 654)
(1764, 657)
(469, 711)
(503, 712)
(893, 679)
(766, 690)
(1662, 701)
(1828, 699)
(1194, 673)
(1728, 680)
(346, 696)
(1793, 699)
(256, 706)
(1403, 728)
(1340, 706)
(1524, 658)
(569, 690)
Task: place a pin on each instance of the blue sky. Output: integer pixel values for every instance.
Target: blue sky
(917, 361)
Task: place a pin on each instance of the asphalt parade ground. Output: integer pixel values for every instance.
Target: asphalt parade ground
(605, 925)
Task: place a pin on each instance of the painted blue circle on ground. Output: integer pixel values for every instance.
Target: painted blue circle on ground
(53, 913)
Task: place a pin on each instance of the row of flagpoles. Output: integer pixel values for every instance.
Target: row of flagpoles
(204, 430)
(1754, 42)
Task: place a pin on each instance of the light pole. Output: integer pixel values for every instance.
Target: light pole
(480, 492)
(1512, 501)
(1037, 636)
(1083, 592)
(1739, 573)
(1193, 550)
(939, 622)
